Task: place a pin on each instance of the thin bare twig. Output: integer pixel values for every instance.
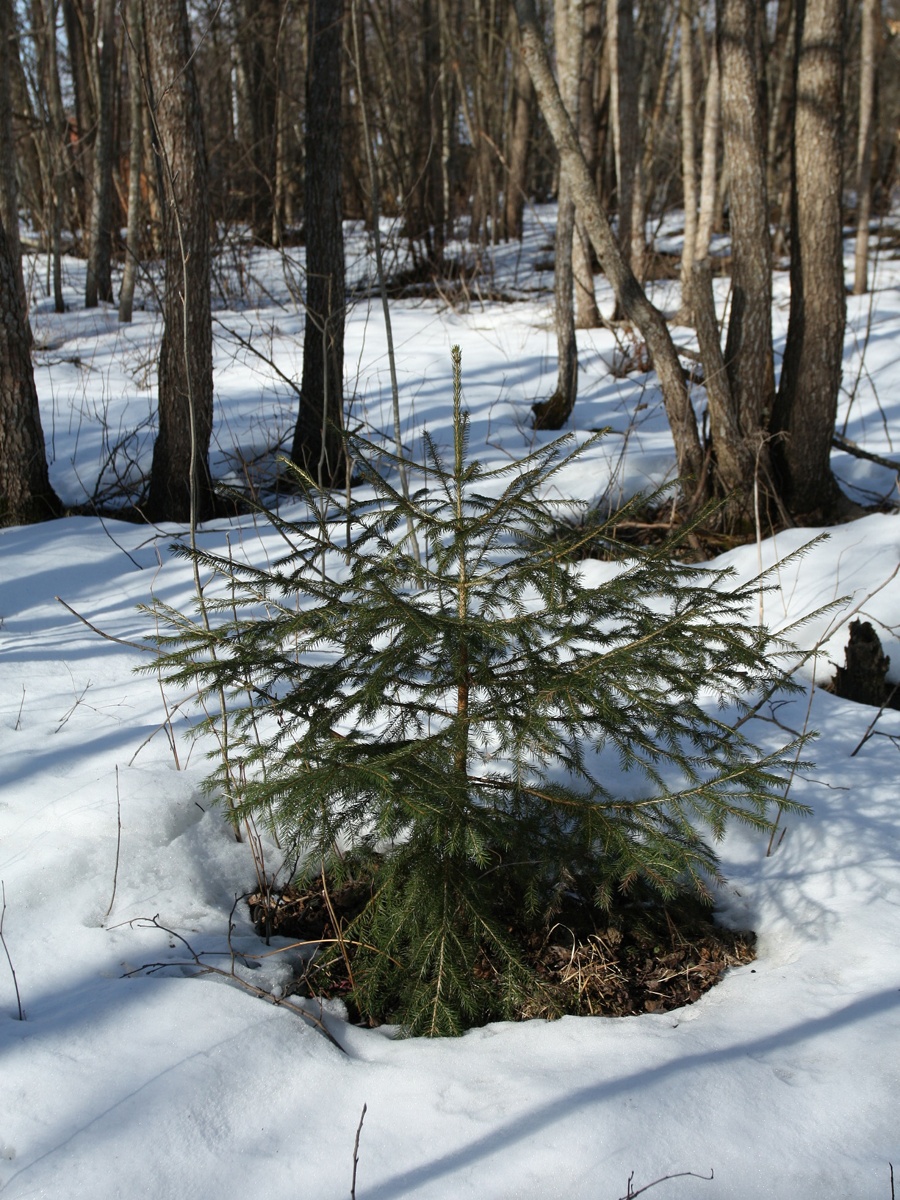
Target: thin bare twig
(845, 444)
(6, 951)
(112, 898)
(362, 1117)
(203, 968)
(629, 1195)
(108, 636)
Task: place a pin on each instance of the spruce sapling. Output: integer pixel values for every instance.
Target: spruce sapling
(441, 723)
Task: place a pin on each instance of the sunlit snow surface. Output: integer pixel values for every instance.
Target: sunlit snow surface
(784, 1079)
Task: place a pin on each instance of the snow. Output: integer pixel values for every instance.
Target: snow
(783, 1079)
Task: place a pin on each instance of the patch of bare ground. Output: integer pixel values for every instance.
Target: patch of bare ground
(641, 956)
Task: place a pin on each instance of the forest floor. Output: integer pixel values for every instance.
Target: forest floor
(129, 1077)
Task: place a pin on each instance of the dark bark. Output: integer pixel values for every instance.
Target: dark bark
(26, 130)
(514, 193)
(626, 125)
(748, 348)
(25, 491)
(863, 677)
(318, 444)
(629, 293)
(78, 16)
(98, 285)
(733, 455)
(806, 407)
(180, 487)
(258, 50)
(587, 313)
(865, 141)
(9, 191)
(56, 168)
(688, 157)
(133, 42)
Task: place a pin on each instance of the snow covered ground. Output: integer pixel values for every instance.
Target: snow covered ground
(783, 1080)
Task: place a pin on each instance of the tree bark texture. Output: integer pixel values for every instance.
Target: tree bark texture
(587, 313)
(78, 16)
(25, 491)
(9, 191)
(180, 486)
(318, 444)
(98, 285)
(806, 408)
(748, 347)
(554, 412)
(708, 213)
(133, 42)
(688, 156)
(629, 294)
(864, 145)
(259, 63)
(514, 193)
(625, 117)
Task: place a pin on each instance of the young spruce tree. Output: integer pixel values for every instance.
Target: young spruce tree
(425, 691)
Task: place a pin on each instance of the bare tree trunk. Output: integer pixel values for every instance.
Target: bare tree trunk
(748, 348)
(98, 285)
(257, 53)
(134, 39)
(432, 182)
(587, 314)
(25, 491)
(26, 129)
(180, 485)
(806, 407)
(554, 412)
(625, 119)
(514, 195)
(318, 445)
(79, 19)
(864, 146)
(688, 158)
(708, 173)
(629, 294)
(55, 165)
(9, 191)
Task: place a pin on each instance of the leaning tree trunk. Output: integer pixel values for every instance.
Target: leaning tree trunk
(630, 296)
(805, 412)
(180, 486)
(318, 444)
(25, 491)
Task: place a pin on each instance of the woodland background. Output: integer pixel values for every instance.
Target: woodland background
(151, 130)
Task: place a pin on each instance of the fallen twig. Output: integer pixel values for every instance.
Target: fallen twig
(629, 1195)
(203, 968)
(844, 443)
(108, 636)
